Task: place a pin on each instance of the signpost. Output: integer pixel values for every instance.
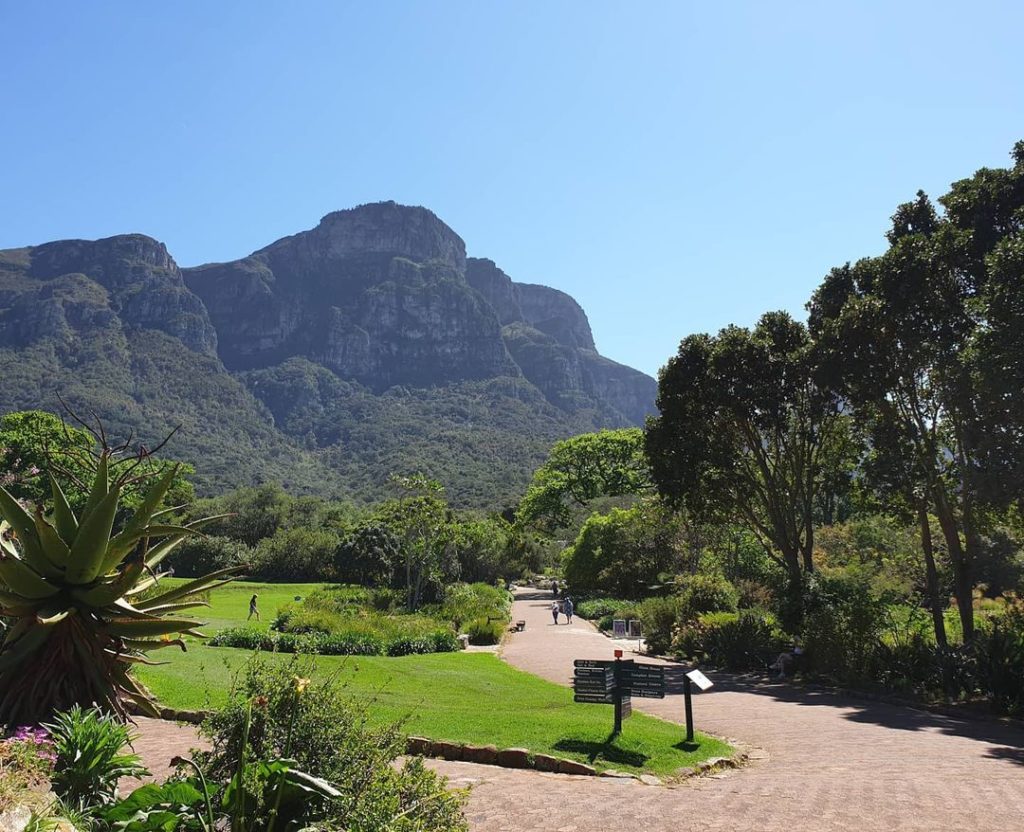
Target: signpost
(606, 682)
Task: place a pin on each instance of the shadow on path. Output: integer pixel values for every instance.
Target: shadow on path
(1010, 735)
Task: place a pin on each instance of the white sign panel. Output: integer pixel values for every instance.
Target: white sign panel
(699, 679)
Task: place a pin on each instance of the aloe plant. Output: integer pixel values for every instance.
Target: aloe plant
(79, 593)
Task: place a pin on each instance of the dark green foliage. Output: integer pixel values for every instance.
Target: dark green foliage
(747, 640)
(843, 621)
(704, 593)
(623, 553)
(296, 555)
(202, 555)
(89, 745)
(33, 442)
(609, 463)
(330, 735)
(362, 641)
(597, 608)
(368, 555)
(742, 434)
(485, 630)
(659, 617)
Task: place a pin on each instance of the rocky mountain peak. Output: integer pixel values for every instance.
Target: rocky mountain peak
(378, 228)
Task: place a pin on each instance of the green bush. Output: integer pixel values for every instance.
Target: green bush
(658, 617)
(999, 648)
(350, 643)
(330, 736)
(89, 760)
(598, 608)
(484, 631)
(737, 641)
(466, 602)
(706, 593)
(843, 621)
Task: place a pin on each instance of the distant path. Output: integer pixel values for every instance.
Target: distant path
(827, 762)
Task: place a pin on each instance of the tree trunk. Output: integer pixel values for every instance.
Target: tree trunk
(963, 585)
(932, 577)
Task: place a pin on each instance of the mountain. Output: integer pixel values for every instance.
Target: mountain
(326, 360)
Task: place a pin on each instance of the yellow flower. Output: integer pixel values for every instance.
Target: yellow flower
(300, 684)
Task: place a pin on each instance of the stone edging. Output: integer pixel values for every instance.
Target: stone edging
(523, 758)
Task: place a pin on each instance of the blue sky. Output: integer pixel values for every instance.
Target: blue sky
(676, 167)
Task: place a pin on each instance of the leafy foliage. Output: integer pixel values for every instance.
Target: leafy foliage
(609, 463)
(89, 760)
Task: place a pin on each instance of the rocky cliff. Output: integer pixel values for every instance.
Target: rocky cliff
(375, 314)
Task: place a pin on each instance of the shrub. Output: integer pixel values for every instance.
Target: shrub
(737, 641)
(466, 602)
(484, 631)
(842, 625)
(87, 745)
(350, 643)
(202, 555)
(598, 608)
(330, 736)
(706, 593)
(999, 648)
(658, 617)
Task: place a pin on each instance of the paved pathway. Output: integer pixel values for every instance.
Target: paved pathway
(822, 761)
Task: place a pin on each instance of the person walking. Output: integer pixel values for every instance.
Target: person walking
(253, 609)
(569, 609)
(554, 611)
(554, 589)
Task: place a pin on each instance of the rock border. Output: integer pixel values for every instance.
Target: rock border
(523, 758)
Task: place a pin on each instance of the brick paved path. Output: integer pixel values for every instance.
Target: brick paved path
(822, 761)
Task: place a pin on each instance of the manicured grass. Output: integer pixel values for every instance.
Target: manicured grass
(229, 605)
(465, 697)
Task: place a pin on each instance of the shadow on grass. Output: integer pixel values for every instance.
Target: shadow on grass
(688, 747)
(606, 751)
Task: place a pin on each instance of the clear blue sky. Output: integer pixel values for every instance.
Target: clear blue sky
(674, 166)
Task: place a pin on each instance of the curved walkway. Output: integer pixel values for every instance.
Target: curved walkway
(820, 761)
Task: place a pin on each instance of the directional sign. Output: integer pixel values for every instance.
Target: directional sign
(594, 698)
(593, 663)
(641, 693)
(627, 707)
(594, 672)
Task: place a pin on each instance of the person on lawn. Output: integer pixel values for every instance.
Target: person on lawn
(253, 609)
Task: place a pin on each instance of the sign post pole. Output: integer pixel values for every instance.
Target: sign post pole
(687, 692)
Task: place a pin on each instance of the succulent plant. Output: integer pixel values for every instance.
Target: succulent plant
(83, 597)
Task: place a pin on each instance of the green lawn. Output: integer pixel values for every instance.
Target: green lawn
(229, 605)
(464, 697)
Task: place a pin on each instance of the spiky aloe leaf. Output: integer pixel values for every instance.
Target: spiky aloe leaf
(63, 517)
(91, 542)
(100, 487)
(192, 587)
(143, 628)
(25, 530)
(54, 550)
(107, 593)
(23, 580)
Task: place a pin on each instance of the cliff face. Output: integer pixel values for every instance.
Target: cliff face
(143, 287)
(377, 294)
(360, 339)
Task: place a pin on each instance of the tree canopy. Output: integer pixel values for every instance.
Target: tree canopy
(609, 463)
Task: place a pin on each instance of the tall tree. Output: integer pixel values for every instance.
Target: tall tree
(925, 341)
(743, 433)
(609, 463)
